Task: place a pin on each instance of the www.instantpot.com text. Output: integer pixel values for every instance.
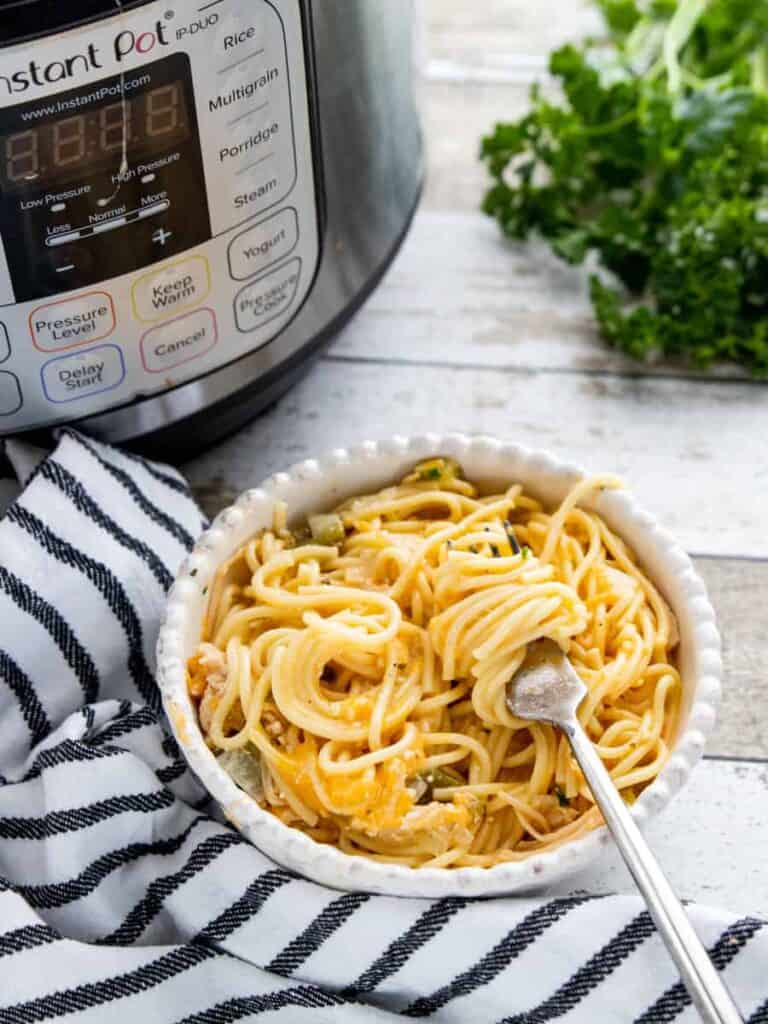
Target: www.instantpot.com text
(102, 93)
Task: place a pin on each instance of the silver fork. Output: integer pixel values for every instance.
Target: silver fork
(546, 688)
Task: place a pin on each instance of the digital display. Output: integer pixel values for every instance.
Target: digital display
(60, 149)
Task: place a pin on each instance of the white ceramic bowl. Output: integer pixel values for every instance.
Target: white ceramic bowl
(318, 485)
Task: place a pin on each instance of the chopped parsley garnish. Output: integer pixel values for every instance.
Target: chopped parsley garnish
(432, 473)
(525, 552)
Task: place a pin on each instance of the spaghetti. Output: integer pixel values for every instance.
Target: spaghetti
(353, 682)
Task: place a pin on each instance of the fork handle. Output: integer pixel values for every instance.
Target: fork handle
(699, 975)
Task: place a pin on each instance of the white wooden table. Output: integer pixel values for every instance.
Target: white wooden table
(468, 332)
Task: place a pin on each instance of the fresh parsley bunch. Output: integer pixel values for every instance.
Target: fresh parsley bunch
(657, 162)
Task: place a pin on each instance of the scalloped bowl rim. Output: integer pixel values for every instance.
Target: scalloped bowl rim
(317, 484)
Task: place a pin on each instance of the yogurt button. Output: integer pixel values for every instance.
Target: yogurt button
(83, 374)
(79, 321)
(178, 286)
(264, 244)
(268, 297)
(10, 393)
(188, 337)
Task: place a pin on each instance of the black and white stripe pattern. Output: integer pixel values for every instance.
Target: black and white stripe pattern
(123, 897)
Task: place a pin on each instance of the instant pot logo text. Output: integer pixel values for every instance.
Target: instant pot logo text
(126, 44)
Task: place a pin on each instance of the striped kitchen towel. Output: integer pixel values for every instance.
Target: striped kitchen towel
(124, 898)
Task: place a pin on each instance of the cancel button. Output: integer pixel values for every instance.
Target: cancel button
(179, 341)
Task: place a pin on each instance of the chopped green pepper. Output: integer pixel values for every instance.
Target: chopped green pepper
(244, 767)
(424, 784)
(327, 529)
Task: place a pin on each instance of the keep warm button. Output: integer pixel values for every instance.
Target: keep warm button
(83, 374)
(268, 297)
(178, 286)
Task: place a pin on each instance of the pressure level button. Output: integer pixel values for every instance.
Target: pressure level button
(67, 324)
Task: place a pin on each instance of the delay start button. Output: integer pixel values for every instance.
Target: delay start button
(268, 297)
(188, 337)
(83, 374)
(174, 288)
(80, 321)
(264, 244)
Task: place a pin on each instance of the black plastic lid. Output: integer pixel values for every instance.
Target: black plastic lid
(23, 20)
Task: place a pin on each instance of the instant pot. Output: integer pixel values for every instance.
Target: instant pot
(194, 196)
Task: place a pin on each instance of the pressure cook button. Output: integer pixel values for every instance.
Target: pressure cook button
(179, 341)
(263, 244)
(61, 325)
(178, 286)
(268, 297)
(10, 393)
(83, 374)
(5, 345)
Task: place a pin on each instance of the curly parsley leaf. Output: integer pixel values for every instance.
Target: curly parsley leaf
(655, 162)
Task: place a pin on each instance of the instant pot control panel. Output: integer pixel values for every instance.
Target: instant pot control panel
(158, 212)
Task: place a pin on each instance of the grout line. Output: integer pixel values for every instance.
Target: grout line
(709, 556)
(517, 69)
(735, 759)
(530, 371)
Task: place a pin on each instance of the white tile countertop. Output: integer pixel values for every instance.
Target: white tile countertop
(468, 332)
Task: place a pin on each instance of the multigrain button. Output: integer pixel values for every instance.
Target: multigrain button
(10, 393)
(58, 326)
(268, 297)
(174, 288)
(179, 341)
(83, 374)
(265, 243)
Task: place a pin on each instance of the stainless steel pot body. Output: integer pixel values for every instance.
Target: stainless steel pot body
(282, 154)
